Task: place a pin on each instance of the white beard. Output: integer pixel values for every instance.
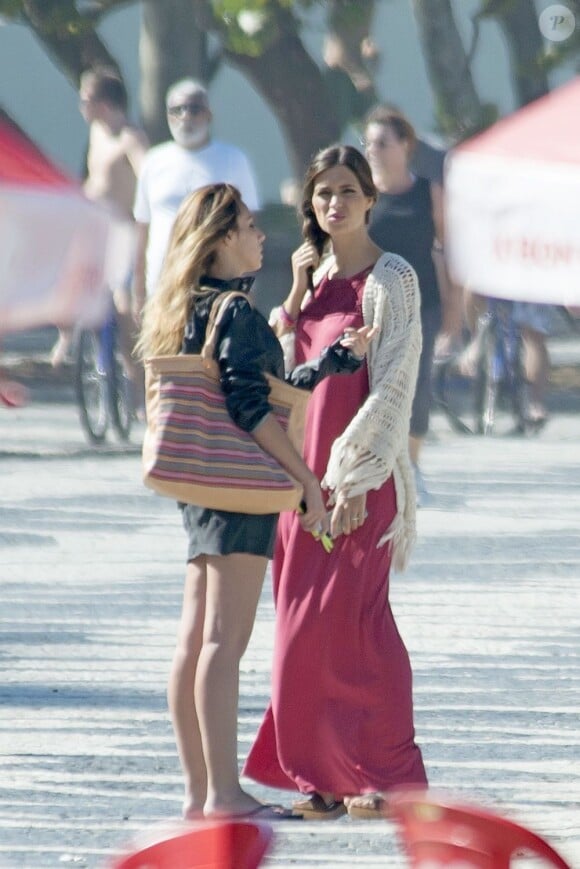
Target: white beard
(188, 138)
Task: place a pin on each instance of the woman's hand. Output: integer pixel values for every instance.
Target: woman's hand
(348, 514)
(316, 516)
(358, 340)
(304, 258)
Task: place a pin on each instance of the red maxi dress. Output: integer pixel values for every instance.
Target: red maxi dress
(340, 718)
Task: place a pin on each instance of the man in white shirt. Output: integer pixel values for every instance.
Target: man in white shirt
(176, 168)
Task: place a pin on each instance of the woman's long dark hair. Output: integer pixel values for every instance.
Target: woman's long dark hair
(335, 155)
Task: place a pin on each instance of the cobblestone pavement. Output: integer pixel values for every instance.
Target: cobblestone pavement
(91, 569)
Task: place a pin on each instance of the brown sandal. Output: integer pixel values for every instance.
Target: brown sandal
(314, 808)
(366, 807)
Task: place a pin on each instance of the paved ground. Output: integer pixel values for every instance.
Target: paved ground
(91, 571)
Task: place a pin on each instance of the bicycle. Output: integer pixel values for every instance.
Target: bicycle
(496, 383)
(103, 390)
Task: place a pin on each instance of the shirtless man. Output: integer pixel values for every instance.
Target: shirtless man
(116, 150)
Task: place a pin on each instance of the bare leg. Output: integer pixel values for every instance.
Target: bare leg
(234, 583)
(475, 307)
(537, 364)
(182, 686)
(62, 347)
(127, 338)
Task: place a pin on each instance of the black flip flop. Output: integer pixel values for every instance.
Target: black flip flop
(263, 812)
(272, 812)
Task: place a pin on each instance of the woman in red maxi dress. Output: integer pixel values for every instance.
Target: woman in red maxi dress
(340, 724)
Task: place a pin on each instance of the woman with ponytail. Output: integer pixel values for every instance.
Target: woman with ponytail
(340, 725)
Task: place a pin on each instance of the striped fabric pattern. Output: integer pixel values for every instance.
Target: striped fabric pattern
(199, 441)
(194, 452)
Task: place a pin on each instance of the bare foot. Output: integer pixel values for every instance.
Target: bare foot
(192, 811)
(366, 807)
(537, 411)
(467, 360)
(60, 350)
(537, 415)
(242, 804)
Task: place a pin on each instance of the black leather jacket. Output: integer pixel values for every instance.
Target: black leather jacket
(247, 348)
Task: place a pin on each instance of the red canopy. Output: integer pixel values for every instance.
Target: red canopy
(21, 162)
(60, 253)
(547, 130)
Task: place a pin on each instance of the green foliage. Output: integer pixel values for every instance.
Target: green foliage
(234, 7)
(64, 12)
(561, 52)
(64, 20)
(457, 129)
(347, 13)
(61, 16)
(491, 8)
(11, 8)
(250, 27)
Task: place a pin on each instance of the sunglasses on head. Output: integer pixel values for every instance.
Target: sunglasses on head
(186, 109)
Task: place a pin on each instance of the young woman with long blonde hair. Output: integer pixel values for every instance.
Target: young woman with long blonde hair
(215, 242)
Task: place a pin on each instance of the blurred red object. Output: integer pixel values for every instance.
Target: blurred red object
(12, 394)
(60, 252)
(21, 162)
(437, 832)
(211, 845)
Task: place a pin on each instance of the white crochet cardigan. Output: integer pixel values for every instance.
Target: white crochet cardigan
(374, 445)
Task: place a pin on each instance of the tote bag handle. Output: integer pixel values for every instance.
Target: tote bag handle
(214, 320)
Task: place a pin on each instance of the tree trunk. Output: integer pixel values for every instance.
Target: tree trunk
(519, 21)
(459, 109)
(308, 123)
(351, 57)
(68, 37)
(171, 47)
(349, 43)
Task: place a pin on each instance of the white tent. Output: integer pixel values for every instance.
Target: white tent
(512, 198)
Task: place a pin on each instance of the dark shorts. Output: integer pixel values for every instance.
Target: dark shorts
(544, 319)
(430, 325)
(217, 532)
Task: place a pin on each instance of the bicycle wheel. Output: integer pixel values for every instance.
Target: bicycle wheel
(120, 397)
(487, 385)
(91, 387)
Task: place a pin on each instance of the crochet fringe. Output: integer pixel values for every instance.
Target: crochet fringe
(402, 532)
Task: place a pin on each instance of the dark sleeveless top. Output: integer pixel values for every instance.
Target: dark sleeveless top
(402, 223)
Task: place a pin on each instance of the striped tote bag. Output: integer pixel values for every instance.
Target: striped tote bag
(193, 452)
